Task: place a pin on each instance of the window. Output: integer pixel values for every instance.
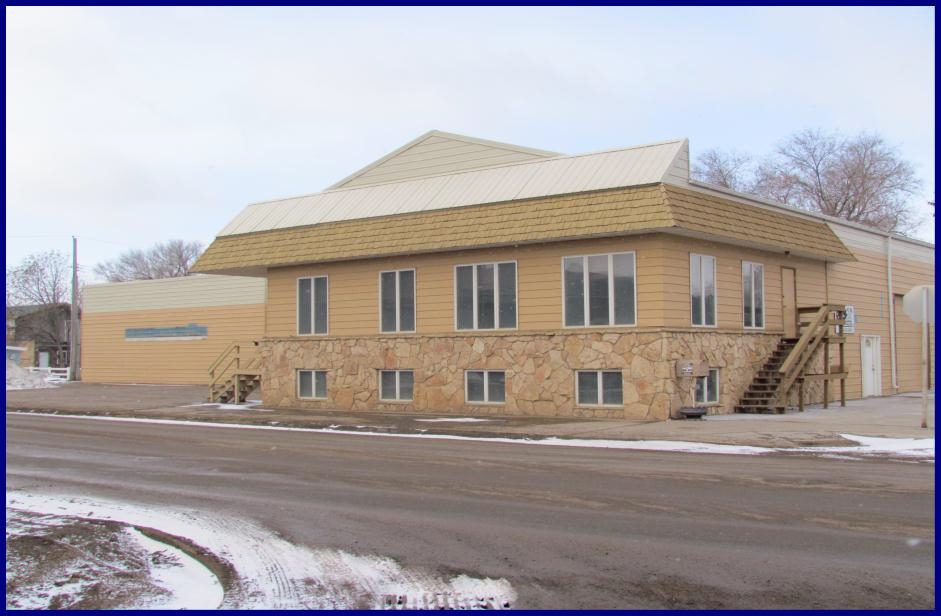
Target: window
(486, 296)
(488, 386)
(397, 301)
(753, 294)
(707, 388)
(312, 384)
(396, 385)
(312, 305)
(702, 289)
(599, 388)
(599, 290)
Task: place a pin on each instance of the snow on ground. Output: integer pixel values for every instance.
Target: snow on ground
(189, 584)
(456, 420)
(59, 562)
(251, 405)
(21, 378)
(922, 448)
(276, 574)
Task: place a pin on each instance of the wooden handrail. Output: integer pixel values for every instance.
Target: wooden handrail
(807, 345)
(231, 355)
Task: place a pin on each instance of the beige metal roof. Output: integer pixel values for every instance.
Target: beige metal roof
(437, 152)
(635, 166)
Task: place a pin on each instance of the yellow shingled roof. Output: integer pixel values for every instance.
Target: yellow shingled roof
(516, 222)
(740, 223)
(654, 208)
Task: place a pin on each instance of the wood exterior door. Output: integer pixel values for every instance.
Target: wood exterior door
(789, 301)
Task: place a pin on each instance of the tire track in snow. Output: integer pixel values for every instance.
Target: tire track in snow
(276, 574)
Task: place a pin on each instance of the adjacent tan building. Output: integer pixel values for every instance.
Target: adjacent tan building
(167, 331)
(458, 275)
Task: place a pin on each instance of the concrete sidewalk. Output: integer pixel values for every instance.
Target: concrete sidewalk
(891, 416)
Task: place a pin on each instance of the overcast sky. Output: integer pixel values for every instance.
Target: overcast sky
(131, 126)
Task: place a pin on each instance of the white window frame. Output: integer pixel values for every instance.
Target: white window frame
(600, 393)
(715, 307)
(313, 384)
(398, 386)
(398, 301)
(297, 305)
(496, 295)
(705, 401)
(587, 299)
(486, 399)
(764, 315)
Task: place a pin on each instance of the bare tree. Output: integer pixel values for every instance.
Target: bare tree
(724, 168)
(41, 279)
(38, 292)
(168, 260)
(861, 178)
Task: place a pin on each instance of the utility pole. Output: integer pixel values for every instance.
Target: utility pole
(73, 314)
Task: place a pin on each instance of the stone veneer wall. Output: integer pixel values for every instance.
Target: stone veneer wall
(540, 370)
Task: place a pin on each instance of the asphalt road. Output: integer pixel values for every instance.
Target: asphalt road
(568, 527)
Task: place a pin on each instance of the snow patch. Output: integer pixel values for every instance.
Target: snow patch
(247, 406)
(276, 574)
(921, 448)
(21, 378)
(456, 420)
(191, 586)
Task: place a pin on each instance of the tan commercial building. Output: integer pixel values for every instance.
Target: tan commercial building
(458, 275)
(167, 331)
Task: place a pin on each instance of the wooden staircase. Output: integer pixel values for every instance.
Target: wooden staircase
(235, 374)
(789, 363)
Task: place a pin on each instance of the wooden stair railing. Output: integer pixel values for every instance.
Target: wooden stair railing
(235, 374)
(789, 363)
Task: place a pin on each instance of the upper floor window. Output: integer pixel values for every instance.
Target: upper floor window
(312, 305)
(702, 289)
(599, 290)
(753, 294)
(486, 295)
(397, 301)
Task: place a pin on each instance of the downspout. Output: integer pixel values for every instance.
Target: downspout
(895, 376)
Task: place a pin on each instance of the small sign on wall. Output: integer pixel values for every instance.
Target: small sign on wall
(849, 327)
(690, 368)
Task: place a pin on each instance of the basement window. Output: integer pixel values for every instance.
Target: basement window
(599, 388)
(707, 388)
(396, 385)
(485, 386)
(312, 384)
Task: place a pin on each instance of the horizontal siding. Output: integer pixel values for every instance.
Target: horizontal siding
(354, 287)
(186, 292)
(863, 285)
(676, 282)
(108, 358)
